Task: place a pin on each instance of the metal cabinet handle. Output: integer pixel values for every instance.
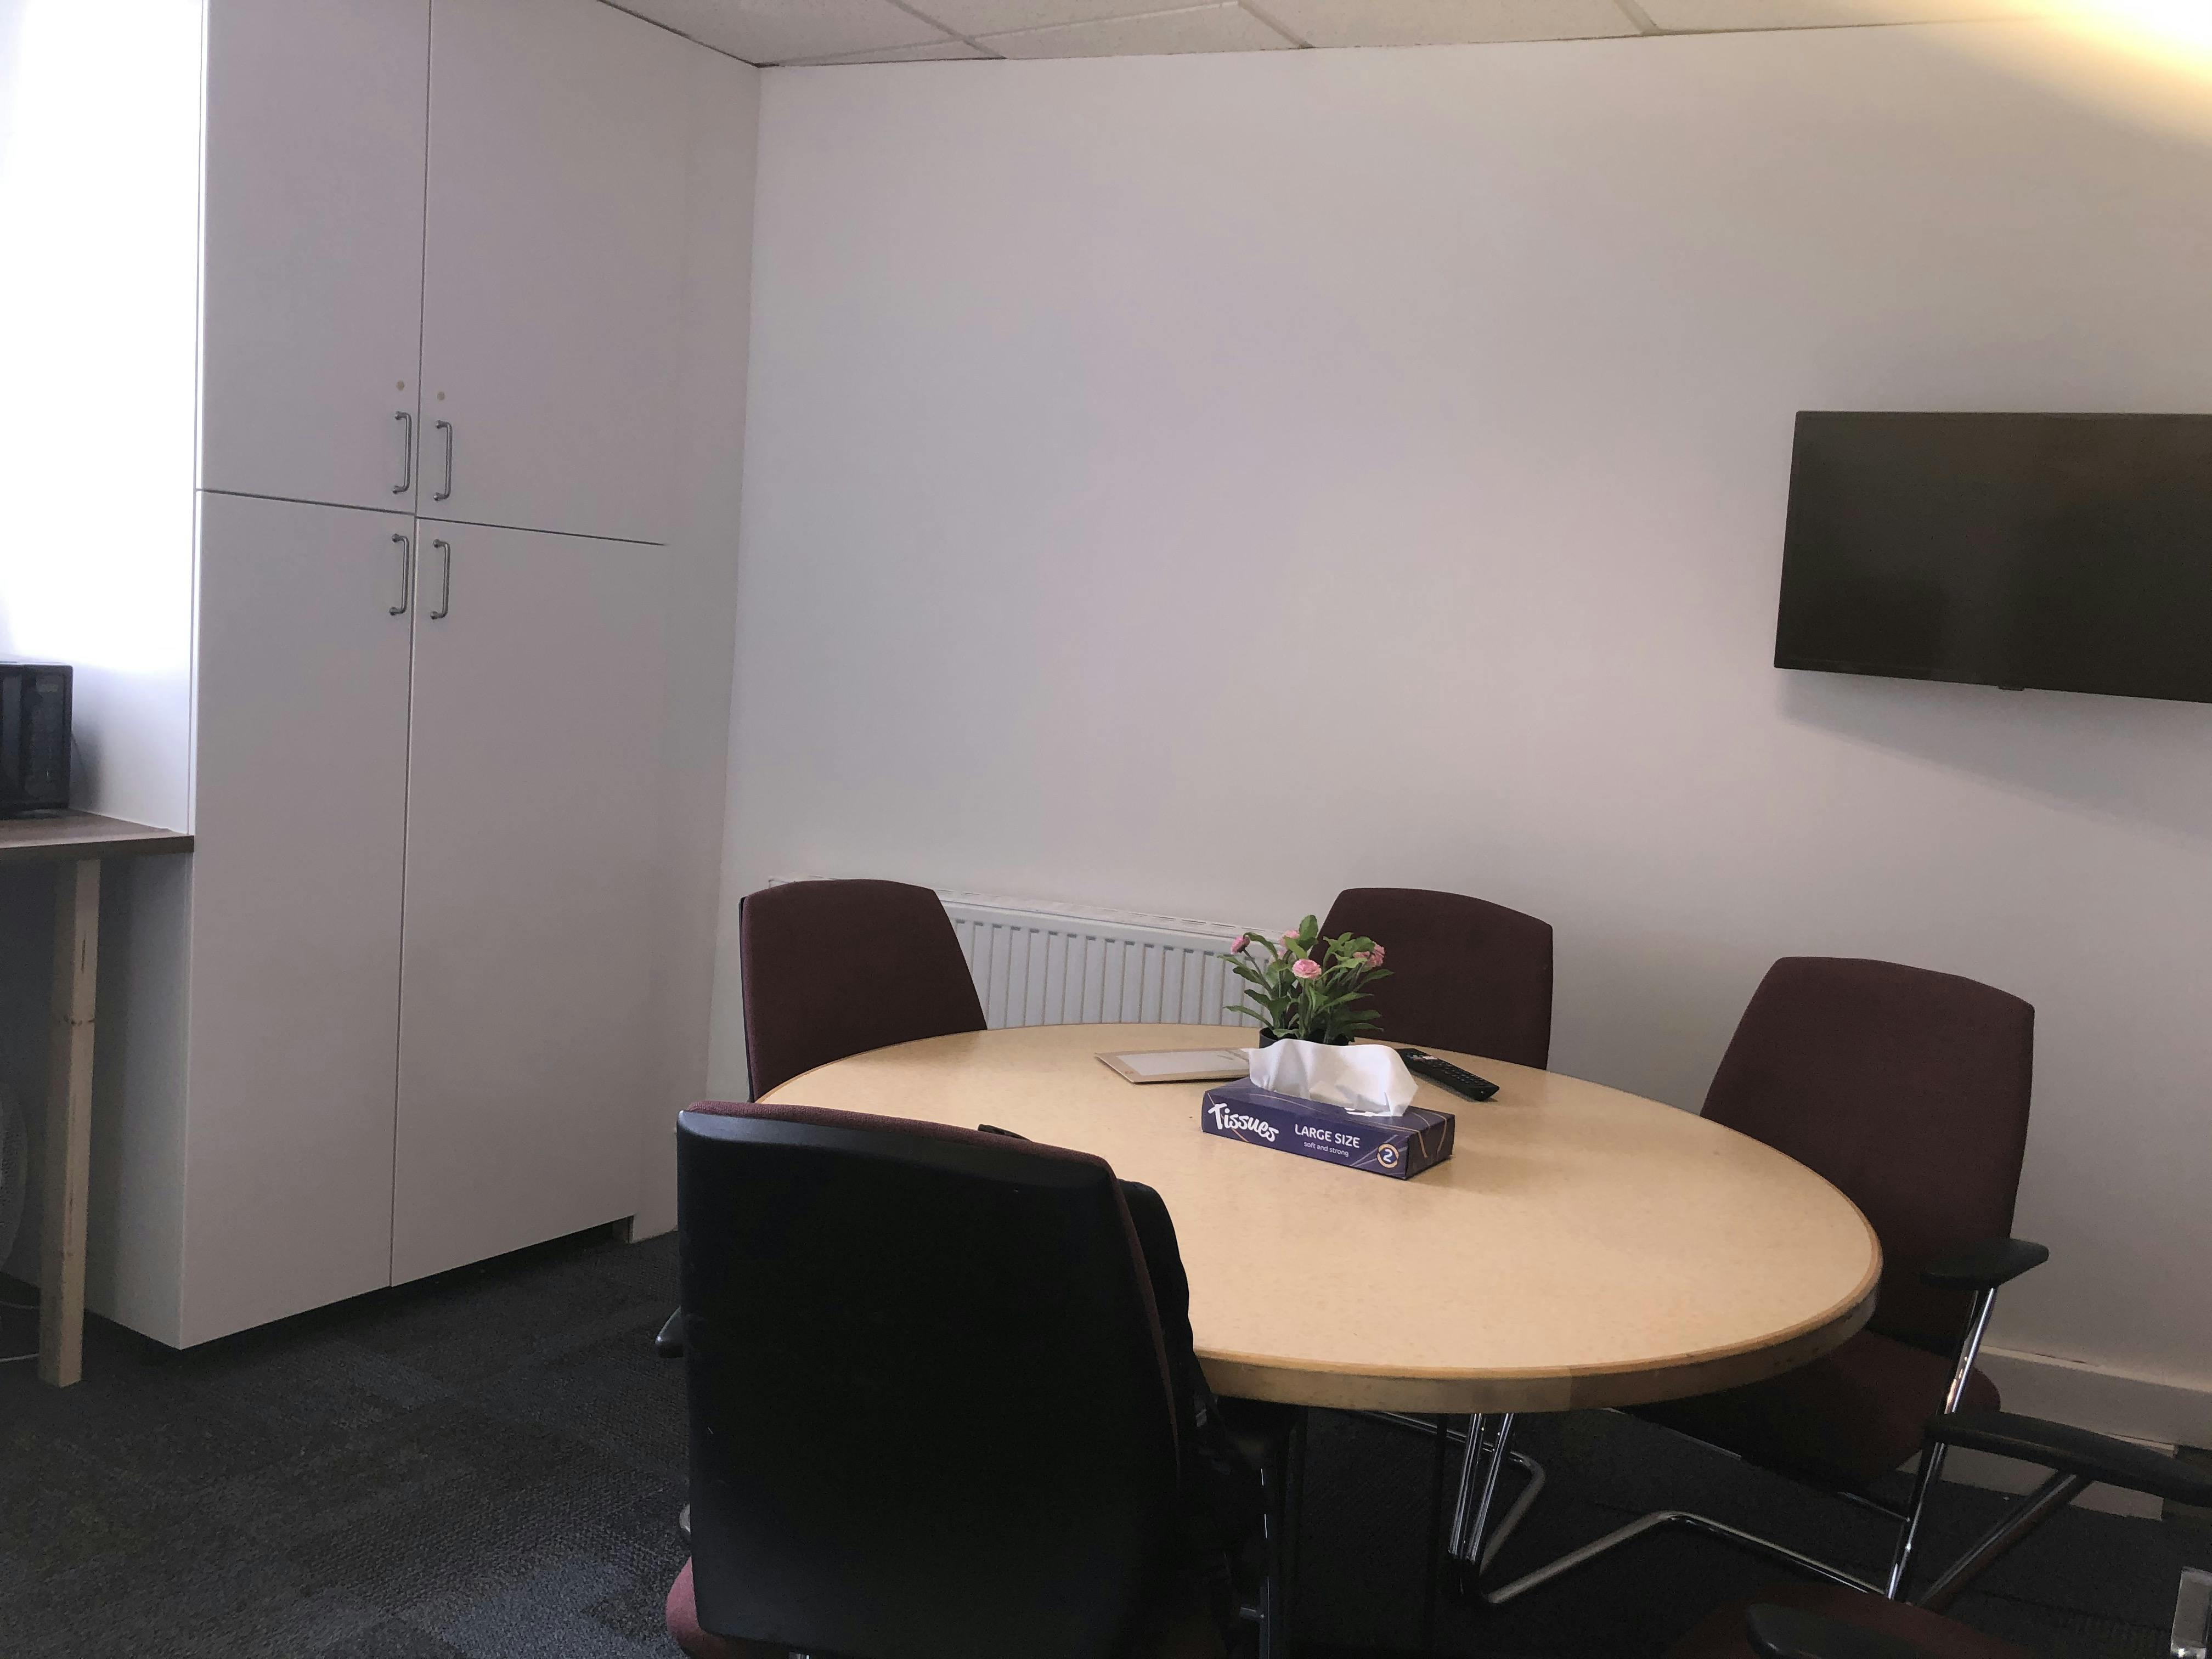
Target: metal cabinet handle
(446, 427)
(406, 418)
(406, 572)
(446, 594)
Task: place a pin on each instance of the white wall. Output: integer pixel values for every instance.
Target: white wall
(98, 251)
(717, 317)
(1200, 484)
(99, 219)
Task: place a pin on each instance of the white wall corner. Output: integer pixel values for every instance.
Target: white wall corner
(724, 117)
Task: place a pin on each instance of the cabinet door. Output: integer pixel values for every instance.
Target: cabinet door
(301, 792)
(552, 268)
(312, 304)
(526, 1057)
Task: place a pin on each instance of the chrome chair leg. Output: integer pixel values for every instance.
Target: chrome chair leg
(1474, 1544)
(1781, 1553)
(2192, 1616)
(1954, 1579)
(2046, 1499)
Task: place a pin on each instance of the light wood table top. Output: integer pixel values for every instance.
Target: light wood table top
(65, 837)
(1581, 1247)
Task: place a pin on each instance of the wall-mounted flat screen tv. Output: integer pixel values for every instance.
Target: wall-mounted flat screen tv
(2069, 552)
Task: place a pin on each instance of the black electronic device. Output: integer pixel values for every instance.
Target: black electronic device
(35, 738)
(1461, 1081)
(2065, 552)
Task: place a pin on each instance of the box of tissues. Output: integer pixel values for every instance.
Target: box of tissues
(1402, 1146)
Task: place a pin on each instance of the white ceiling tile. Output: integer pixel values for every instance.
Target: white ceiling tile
(778, 31)
(937, 51)
(1196, 28)
(1443, 22)
(973, 17)
(1691, 15)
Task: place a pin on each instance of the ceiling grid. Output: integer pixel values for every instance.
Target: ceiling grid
(824, 32)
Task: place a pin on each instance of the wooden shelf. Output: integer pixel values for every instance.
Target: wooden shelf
(65, 837)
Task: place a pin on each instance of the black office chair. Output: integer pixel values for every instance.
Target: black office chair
(931, 1410)
(1832, 1621)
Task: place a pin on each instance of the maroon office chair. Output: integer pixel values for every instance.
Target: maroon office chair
(1469, 975)
(1829, 1621)
(1908, 1090)
(1465, 973)
(836, 967)
(933, 1406)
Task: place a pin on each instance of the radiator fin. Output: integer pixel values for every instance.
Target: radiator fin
(1050, 965)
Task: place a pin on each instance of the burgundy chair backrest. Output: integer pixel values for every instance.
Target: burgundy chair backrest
(1465, 973)
(930, 1415)
(1908, 1090)
(836, 968)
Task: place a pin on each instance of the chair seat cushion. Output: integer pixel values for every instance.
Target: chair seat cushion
(1180, 1630)
(1847, 1418)
(683, 1626)
(1720, 1634)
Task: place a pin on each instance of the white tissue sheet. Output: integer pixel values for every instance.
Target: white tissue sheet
(1365, 1078)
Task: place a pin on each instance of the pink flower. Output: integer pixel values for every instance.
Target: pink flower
(1239, 943)
(1289, 939)
(1306, 968)
(1374, 957)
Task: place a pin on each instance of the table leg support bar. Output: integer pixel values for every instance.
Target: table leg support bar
(1282, 1480)
(1529, 1468)
(67, 1161)
(1475, 1540)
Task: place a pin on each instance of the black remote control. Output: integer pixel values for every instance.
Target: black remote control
(1458, 1079)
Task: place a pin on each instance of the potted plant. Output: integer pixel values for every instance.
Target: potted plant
(1303, 986)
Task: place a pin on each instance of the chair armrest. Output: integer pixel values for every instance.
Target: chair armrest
(2068, 1450)
(1983, 1265)
(1778, 1632)
(669, 1345)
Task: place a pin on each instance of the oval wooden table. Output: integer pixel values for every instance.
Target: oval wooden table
(1581, 1247)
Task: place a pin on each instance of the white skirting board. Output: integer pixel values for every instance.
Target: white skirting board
(2161, 1412)
(1972, 1468)
(2166, 1411)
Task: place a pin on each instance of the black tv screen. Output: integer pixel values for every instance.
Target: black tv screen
(2069, 552)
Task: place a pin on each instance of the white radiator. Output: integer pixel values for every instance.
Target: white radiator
(1062, 965)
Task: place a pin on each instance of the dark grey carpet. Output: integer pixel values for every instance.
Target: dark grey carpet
(2089, 1585)
(488, 1466)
